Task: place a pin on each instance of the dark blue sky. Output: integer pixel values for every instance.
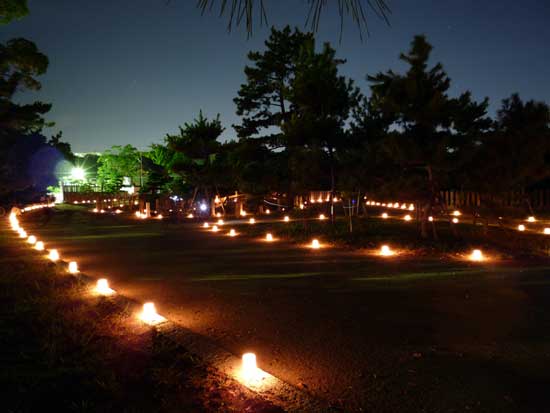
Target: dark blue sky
(130, 71)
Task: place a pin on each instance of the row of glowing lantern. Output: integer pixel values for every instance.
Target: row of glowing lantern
(93, 201)
(250, 373)
(385, 250)
(455, 214)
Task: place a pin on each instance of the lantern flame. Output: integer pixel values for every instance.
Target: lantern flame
(150, 316)
(102, 287)
(31, 240)
(385, 215)
(315, 244)
(220, 221)
(546, 231)
(385, 251)
(39, 246)
(286, 218)
(251, 221)
(73, 267)
(322, 217)
(521, 227)
(215, 228)
(476, 255)
(407, 218)
(232, 233)
(206, 225)
(269, 237)
(53, 255)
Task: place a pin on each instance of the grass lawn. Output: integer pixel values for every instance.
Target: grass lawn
(63, 349)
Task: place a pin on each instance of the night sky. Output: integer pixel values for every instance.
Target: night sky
(130, 71)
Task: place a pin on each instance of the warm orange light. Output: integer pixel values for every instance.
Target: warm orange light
(403, 206)
(243, 213)
(31, 240)
(22, 233)
(249, 367)
(301, 206)
(95, 210)
(315, 244)
(190, 216)
(385, 215)
(476, 255)
(267, 211)
(456, 213)
(206, 225)
(546, 231)
(220, 221)
(286, 218)
(521, 227)
(251, 221)
(102, 287)
(455, 220)
(138, 214)
(73, 267)
(39, 246)
(118, 211)
(159, 216)
(232, 233)
(269, 237)
(531, 219)
(53, 255)
(150, 316)
(407, 218)
(430, 218)
(385, 251)
(322, 216)
(218, 214)
(215, 228)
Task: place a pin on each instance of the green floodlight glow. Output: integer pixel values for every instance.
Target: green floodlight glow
(78, 173)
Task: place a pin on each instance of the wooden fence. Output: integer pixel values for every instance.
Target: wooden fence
(538, 199)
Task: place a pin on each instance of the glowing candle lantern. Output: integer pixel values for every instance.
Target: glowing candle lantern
(53, 255)
(73, 267)
(546, 231)
(103, 211)
(286, 218)
(232, 233)
(430, 218)
(407, 218)
(138, 214)
(476, 255)
(220, 221)
(531, 219)
(190, 216)
(396, 205)
(251, 221)
(118, 211)
(384, 205)
(455, 220)
(269, 237)
(22, 233)
(218, 214)
(267, 211)
(456, 213)
(206, 225)
(150, 316)
(385, 215)
(411, 207)
(315, 244)
(301, 206)
(39, 246)
(322, 217)
(159, 216)
(95, 210)
(31, 240)
(334, 199)
(521, 227)
(102, 287)
(403, 206)
(385, 251)
(249, 367)
(215, 228)
(243, 213)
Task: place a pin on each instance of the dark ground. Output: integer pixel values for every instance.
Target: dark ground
(408, 334)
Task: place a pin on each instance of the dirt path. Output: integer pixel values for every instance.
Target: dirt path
(433, 336)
